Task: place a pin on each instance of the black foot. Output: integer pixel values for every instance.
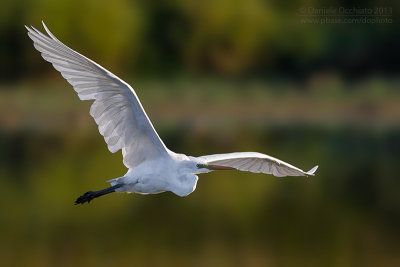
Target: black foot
(87, 197)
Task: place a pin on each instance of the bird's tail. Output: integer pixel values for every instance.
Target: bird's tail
(312, 171)
(115, 182)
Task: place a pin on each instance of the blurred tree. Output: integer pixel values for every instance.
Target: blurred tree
(238, 38)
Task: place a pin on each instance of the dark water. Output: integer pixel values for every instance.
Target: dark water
(347, 214)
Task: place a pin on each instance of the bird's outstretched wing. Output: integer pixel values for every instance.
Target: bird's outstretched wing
(116, 108)
(254, 162)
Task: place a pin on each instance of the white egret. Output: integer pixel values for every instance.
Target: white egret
(152, 167)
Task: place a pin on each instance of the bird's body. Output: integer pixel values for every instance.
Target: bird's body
(175, 173)
(152, 167)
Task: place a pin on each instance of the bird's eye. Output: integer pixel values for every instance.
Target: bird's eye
(201, 166)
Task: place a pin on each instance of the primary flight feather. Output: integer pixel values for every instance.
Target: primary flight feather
(152, 167)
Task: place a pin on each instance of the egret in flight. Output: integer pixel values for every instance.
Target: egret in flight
(152, 167)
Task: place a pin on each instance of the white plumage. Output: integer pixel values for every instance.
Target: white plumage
(125, 125)
(256, 162)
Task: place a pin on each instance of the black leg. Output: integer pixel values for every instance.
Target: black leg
(88, 196)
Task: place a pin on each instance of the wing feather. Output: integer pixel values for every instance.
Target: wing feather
(116, 108)
(255, 162)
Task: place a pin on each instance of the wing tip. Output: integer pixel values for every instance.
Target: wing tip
(45, 27)
(312, 171)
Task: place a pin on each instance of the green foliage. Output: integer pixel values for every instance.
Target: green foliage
(236, 38)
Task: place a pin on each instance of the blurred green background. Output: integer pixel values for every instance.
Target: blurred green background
(214, 76)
